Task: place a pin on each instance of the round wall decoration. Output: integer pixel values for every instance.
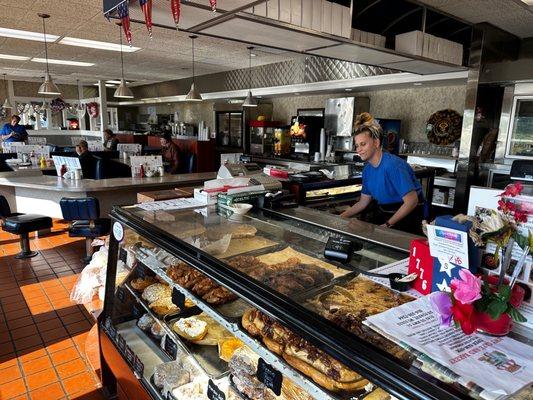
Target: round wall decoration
(444, 127)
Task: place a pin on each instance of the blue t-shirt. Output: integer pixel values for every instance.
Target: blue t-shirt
(20, 133)
(390, 181)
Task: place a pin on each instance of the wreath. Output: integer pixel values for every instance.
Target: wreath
(93, 109)
(444, 127)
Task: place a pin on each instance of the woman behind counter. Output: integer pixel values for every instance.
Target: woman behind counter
(387, 179)
(110, 140)
(13, 132)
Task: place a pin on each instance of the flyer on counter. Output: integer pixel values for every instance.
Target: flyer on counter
(500, 365)
(448, 244)
(174, 204)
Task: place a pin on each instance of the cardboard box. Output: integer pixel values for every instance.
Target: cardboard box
(229, 199)
(157, 195)
(326, 16)
(296, 12)
(336, 19)
(410, 42)
(260, 9)
(316, 23)
(346, 23)
(273, 9)
(356, 35)
(307, 14)
(205, 197)
(285, 10)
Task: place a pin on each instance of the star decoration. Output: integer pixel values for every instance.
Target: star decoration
(446, 266)
(443, 287)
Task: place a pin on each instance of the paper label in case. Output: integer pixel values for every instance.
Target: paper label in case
(171, 348)
(178, 298)
(213, 391)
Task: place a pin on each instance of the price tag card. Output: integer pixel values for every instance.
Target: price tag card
(138, 366)
(213, 392)
(123, 255)
(137, 311)
(141, 270)
(121, 343)
(121, 294)
(171, 348)
(130, 356)
(178, 298)
(270, 376)
(112, 332)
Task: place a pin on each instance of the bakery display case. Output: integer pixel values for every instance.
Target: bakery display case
(202, 304)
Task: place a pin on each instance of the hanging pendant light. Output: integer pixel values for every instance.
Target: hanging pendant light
(44, 107)
(47, 87)
(193, 94)
(123, 91)
(7, 104)
(250, 101)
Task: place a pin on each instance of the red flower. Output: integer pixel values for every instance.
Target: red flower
(513, 190)
(520, 216)
(465, 316)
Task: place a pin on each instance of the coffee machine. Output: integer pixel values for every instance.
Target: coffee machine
(305, 136)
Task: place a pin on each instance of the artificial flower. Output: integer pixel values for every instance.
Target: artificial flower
(442, 305)
(467, 289)
(465, 316)
(512, 190)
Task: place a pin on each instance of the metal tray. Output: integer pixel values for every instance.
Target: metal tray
(206, 356)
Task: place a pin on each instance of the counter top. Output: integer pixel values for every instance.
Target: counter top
(359, 229)
(52, 183)
(63, 132)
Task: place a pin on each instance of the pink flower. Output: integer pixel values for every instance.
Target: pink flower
(467, 289)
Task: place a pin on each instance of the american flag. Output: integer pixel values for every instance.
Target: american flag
(146, 6)
(124, 15)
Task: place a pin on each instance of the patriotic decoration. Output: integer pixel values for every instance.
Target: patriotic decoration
(124, 15)
(146, 7)
(213, 4)
(175, 6)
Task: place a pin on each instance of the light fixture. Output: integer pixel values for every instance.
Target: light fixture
(348, 89)
(48, 87)
(193, 94)
(62, 62)
(7, 103)
(250, 101)
(116, 82)
(12, 57)
(95, 44)
(27, 35)
(417, 84)
(123, 91)
(44, 107)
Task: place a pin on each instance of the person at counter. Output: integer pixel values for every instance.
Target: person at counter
(171, 153)
(87, 160)
(110, 140)
(389, 183)
(13, 132)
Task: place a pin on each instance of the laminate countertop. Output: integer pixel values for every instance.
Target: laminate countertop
(53, 183)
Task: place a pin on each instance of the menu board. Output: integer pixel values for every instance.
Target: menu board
(72, 163)
(150, 164)
(37, 149)
(129, 148)
(94, 145)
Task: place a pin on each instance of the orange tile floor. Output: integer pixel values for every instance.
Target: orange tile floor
(43, 333)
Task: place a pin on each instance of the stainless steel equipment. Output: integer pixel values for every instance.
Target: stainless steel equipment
(339, 116)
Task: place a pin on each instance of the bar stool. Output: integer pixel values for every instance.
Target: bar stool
(22, 225)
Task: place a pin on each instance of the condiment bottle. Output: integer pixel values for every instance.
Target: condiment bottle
(42, 162)
(63, 170)
(141, 171)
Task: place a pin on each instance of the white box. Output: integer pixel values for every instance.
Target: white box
(285, 10)
(307, 14)
(326, 16)
(346, 22)
(336, 19)
(260, 9)
(382, 40)
(363, 38)
(316, 23)
(205, 197)
(296, 12)
(273, 9)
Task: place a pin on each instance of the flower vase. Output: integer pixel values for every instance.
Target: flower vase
(504, 324)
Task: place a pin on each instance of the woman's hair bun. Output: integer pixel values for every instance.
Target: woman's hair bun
(362, 120)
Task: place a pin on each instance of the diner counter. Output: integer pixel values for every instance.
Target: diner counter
(38, 194)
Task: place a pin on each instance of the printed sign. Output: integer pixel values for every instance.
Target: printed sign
(171, 347)
(213, 391)
(270, 376)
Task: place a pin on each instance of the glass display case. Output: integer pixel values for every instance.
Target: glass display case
(520, 140)
(202, 303)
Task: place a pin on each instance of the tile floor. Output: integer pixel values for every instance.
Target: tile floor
(43, 333)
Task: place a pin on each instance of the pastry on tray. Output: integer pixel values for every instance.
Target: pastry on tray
(349, 305)
(227, 348)
(155, 292)
(302, 355)
(237, 231)
(139, 284)
(201, 329)
(163, 306)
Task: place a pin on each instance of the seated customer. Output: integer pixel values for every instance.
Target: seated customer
(110, 140)
(171, 153)
(13, 132)
(87, 160)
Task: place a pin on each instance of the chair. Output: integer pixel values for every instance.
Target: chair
(84, 217)
(107, 168)
(22, 225)
(187, 163)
